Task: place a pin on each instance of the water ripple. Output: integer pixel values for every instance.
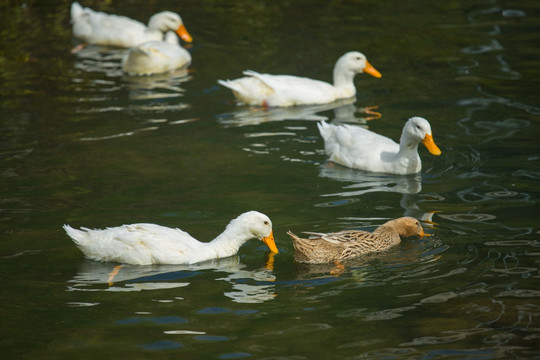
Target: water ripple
(468, 217)
(520, 293)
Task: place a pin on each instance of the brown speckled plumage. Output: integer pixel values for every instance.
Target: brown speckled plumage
(347, 244)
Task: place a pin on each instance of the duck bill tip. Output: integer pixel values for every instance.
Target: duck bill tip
(430, 145)
(369, 69)
(269, 241)
(423, 234)
(184, 34)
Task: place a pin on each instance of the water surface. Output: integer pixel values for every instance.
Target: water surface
(83, 144)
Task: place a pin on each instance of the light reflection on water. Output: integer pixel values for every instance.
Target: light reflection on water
(252, 286)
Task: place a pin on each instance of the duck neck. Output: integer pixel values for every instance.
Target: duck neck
(408, 152)
(156, 27)
(391, 231)
(389, 226)
(344, 82)
(394, 226)
(229, 241)
(407, 145)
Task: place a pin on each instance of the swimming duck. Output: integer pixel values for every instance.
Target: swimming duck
(285, 90)
(348, 244)
(156, 57)
(145, 244)
(358, 148)
(100, 28)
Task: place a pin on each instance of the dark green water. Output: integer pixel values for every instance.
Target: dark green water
(82, 144)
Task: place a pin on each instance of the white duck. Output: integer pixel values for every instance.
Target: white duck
(286, 90)
(145, 244)
(156, 57)
(358, 148)
(100, 28)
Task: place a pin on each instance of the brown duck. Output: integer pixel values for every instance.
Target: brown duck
(348, 244)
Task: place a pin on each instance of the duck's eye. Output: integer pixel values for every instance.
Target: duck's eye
(266, 223)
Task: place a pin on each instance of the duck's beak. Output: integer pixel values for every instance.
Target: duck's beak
(269, 241)
(422, 233)
(371, 70)
(183, 33)
(430, 145)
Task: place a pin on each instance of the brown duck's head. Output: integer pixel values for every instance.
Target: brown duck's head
(408, 226)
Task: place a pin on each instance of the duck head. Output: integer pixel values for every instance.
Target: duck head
(358, 63)
(260, 227)
(419, 129)
(169, 21)
(409, 226)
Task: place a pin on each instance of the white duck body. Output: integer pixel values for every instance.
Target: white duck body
(99, 28)
(287, 90)
(146, 244)
(156, 57)
(358, 148)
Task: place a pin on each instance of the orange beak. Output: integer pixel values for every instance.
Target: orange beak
(371, 70)
(422, 234)
(430, 145)
(269, 241)
(183, 33)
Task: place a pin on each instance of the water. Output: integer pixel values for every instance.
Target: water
(84, 145)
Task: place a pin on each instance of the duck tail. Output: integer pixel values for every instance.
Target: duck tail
(301, 248)
(324, 129)
(228, 84)
(78, 236)
(76, 11)
(292, 235)
(296, 240)
(251, 73)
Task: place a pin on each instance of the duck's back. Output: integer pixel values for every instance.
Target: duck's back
(100, 28)
(341, 245)
(363, 242)
(356, 147)
(138, 244)
(293, 90)
(155, 57)
(280, 90)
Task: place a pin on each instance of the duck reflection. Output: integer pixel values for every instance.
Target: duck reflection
(107, 61)
(344, 111)
(346, 114)
(100, 59)
(158, 87)
(364, 182)
(248, 286)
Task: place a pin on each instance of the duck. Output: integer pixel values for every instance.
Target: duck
(99, 28)
(156, 57)
(349, 244)
(286, 90)
(147, 244)
(359, 148)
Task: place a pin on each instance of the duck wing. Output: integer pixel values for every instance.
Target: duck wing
(138, 244)
(353, 243)
(344, 237)
(100, 28)
(288, 90)
(155, 57)
(279, 90)
(356, 147)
